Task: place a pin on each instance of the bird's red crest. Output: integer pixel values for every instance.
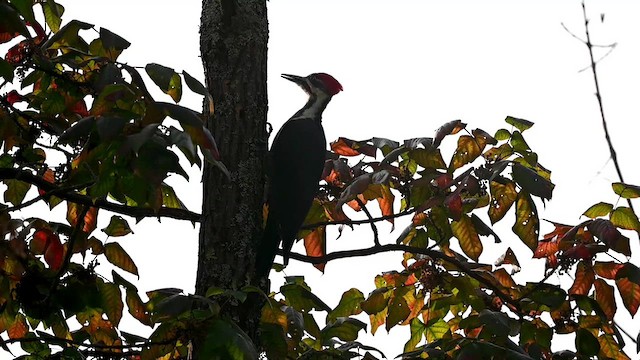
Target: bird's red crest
(331, 84)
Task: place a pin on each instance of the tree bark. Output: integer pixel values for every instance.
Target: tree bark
(233, 43)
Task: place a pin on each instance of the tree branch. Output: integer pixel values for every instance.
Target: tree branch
(137, 212)
(395, 247)
(358, 222)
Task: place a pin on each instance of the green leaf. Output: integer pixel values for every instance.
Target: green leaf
(170, 199)
(377, 301)
(550, 295)
(118, 257)
(68, 36)
(345, 329)
(427, 158)
(6, 70)
(349, 305)
(586, 343)
(12, 25)
(626, 191)
(25, 8)
(624, 218)
(118, 226)
(520, 124)
(226, 340)
(16, 191)
(417, 333)
(53, 14)
(527, 225)
(502, 134)
(113, 41)
(301, 299)
(167, 80)
(111, 301)
(399, 310)
(193, 84)
(436, 330)
(597, 210)
(531, 181)
(465, 232)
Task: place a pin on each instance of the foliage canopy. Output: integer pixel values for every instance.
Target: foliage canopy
(82, 130)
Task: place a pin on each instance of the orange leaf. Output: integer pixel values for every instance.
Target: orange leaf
(386, 202)
(605, 298)
(583, 280)
(348, 147)
(18, 328)
(315, 245)
(90, 218)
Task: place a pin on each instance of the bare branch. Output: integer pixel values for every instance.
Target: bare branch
(612, 150)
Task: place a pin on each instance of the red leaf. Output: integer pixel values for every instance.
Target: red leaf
(54, 255)
(80, 108)
(13, 97)
(453, 202)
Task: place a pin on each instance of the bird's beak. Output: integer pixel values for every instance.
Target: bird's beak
(295, 78)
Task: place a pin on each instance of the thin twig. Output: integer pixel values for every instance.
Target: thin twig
(376, 239)
(612, 150)
(359, 222)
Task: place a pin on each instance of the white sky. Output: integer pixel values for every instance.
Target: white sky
(407, 67)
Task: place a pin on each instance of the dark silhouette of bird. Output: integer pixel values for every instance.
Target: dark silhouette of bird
(296, 161)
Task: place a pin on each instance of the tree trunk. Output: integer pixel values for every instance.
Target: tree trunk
(233, 43)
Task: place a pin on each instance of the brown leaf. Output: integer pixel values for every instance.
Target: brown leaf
(468, 150)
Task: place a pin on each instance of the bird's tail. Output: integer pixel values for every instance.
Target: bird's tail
(266, 251)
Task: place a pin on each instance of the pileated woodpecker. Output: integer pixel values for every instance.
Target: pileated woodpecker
(297, 159)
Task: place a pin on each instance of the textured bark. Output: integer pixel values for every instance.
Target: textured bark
(234, 53)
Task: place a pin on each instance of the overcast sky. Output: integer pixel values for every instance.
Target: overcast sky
(407, 67)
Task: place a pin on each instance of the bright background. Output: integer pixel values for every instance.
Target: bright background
(407, 67)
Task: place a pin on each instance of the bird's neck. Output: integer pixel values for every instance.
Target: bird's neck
(313, 108)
